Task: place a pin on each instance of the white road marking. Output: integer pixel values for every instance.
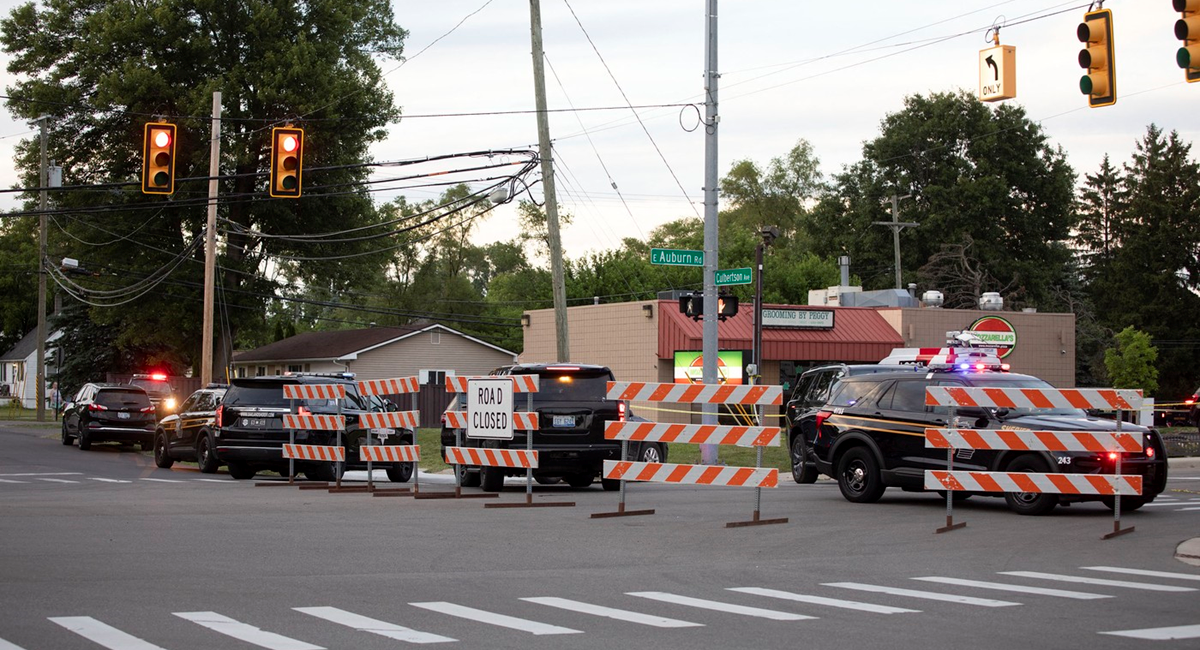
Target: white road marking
(1095, 581)
(162, 480)
(1161, 633)
(718, 606)
(5, 645)
(1187, 509)
(365, 624)
(57, 480)
(102, 633)
(609, 612)
(109, 480)
(245, 632)
(999, 586)
(819, 600)
(216, 480)
(928, 595)
(491, 618)
(1173, 504)
(44, 474)
(1142, 572)
(5, 480)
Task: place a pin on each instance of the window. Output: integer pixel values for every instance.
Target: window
(241, 371)
(295, 367)
(434, 377)
(852, 392)
(802, 387)
(435, 338)
(821, 387)
(909, 396)
(261, 372)
(189, 404)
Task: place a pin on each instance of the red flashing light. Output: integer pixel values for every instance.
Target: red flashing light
(562, 367)
(290, 143)
(1191, 400)
(1112, 455)
(621, 411)
(303, 410)
(980, 366)
(159, 376)
(1005, 367)
(162, 138)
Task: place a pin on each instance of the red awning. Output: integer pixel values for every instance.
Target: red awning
(859, 335)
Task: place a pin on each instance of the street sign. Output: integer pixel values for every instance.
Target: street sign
(997, 73)
(734, 276)
(490, 408)
(675, 257)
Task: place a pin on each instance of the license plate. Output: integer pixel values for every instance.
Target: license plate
(564, 421)
(254, 422)
(122, 416)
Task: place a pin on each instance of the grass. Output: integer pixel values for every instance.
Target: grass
(776, 457)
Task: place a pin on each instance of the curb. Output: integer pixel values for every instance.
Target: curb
(1188, 552)
(1189, 462)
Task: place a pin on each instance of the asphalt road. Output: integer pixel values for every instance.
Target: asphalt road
(101, 549)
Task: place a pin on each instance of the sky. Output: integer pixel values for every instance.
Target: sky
(827, 72)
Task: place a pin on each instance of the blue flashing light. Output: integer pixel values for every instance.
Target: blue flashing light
(964, 366)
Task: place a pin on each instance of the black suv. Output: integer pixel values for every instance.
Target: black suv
(249, 432)
(108, 412)
(572, 411)
(187, 434)
(871, 436)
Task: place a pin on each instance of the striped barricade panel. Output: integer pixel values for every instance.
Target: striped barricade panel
(1093, 441)
(521, 383)
(390, 453)
(759, 477)
(1107, 399)
(491, 457)
(314, 391)
(314, 422)
(1105, 484)
(314, 452)
(640, 391)
(391, 420)
(396, 386)
(522, 420)
(696, 434)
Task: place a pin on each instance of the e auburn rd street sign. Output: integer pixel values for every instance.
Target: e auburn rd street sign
(734, 276)
(674, 257)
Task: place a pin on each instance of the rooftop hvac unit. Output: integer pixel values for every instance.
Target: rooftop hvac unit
(991, 301)
(933, 298)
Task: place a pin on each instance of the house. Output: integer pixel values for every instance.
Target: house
(18, 369)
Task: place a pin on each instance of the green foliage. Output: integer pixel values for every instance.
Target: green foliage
(1131, 364)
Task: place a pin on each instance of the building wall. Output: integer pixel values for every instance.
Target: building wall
(622, 336)
(436, 350)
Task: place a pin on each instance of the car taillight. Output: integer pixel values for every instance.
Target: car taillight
(820, 418)
(148, 409)
(621, 411)
(443, 419)
(1149, 452)
(220, 414)
(97, 407)
(303, 410)
(1112, 455)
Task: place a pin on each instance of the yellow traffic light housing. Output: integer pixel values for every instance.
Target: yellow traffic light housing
(1187, 29)
(287, 162)
(158, 158)
(1100, 82)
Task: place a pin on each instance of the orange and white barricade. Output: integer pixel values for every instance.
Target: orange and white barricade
(483, 456)
(521, 383)
(389, 420)
(314, 391)
(314, 452)
(314, 422)
(390, 453)
(1115, 442)
(680, 474)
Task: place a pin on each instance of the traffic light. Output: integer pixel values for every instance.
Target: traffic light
(1100, 82)
(158, 158)
(726, 306)
(1187, 29)
(692, 306)
(287, 161)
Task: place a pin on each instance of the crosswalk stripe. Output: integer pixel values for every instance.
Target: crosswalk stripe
(820, 600)
(492, 618)
(6, 480)
(162, 480)
(365, 624)
(928, 595)
(1161, 633)
(5, 645)
(1095, 581)
(999, 586)
(718, 606)
(108, 480)
(102, 633)
(245, 632)
(609, 612)
(56, 480)
(1143, 572)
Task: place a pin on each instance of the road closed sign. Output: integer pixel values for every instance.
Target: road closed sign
(490, 408)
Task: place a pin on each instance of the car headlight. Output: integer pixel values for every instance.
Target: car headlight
(169, 403)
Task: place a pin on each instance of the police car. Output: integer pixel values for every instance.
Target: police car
(870, 435)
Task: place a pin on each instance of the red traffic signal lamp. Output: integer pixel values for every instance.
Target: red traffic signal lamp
(692, 305)
(158, 158)
(1187, 29)
(287, 162)
(1100, 82)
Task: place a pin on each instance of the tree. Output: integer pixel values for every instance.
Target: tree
(1131, 364)
(1100, 227)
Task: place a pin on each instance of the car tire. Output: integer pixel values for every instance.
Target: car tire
(650, 453)
(400, 472)
(147, 445)
(802, 471)
(66, 437)
(82, 440)
(579, 481)
(610, 484)
(858, 476)
(1029, 503)
(161, 457)
(1128, 504)
(241, 471)
(547, 480)
(467, 478)
(491, 479)
(206, 457)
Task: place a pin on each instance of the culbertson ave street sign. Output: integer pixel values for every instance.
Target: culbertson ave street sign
(734, 276)
(674, 257)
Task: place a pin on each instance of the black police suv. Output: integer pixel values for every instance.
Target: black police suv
(158, 387)
(871, 436)
(108, 413)
(572, 411)
(249, 433)
(189, 433)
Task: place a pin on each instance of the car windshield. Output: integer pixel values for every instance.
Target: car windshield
(1007, 381)
(572, 386)
(118, 398)
(152, 386)
(269, 394)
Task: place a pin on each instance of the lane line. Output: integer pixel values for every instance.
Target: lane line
(102, 633)
(928, 595)
(245, 632)
(57, 480)
(492, 618)
(216, 480)
(609, 612)
(108, 480)
(1142, 572)
(1095, 581)
(718, 606)
(5, 645)
(43, 474)
(1161, 633)
(365, 624)
(819, 600)
(999, 586)
(163, 480)
(5, 480)
(1187, 509)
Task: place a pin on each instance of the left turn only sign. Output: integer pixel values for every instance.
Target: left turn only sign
(490, 408)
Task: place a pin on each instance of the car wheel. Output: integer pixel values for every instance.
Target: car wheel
(1029, 503)
(579, 480)
(802, 471)
(206, 458)
(547, 480)
(400, 472)
(610, 484)
(491, 479)
(161, 457)
(241, 471)
(467, 478)
(66, 438)
(1128, 504)
(650, 453)
(82, 440)
(858, 476)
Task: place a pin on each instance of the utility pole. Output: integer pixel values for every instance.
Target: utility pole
(896, 225)
(708, 453)
(40, 389)
(210, 245)
(543, 122)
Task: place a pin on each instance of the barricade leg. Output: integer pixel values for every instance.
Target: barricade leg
(757, 519)
(457, 493)
(1117, 531)
(291, 479)
(621, 511)
(950, 525)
